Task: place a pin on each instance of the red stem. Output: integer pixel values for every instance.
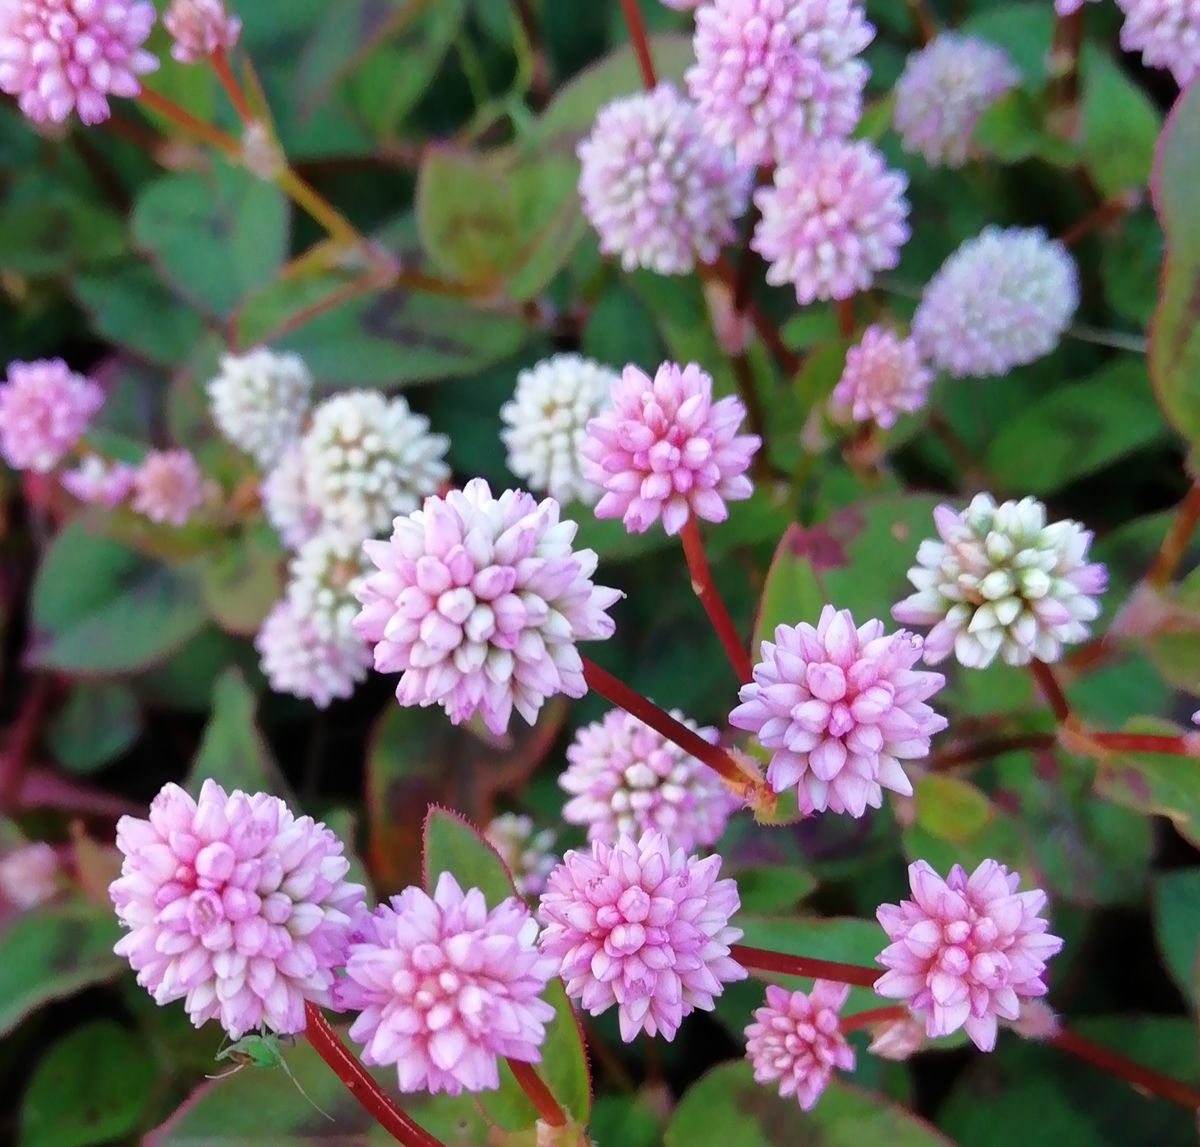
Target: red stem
(220, 64)
(873, 1016)
(1170, 554)
(763, 327)
(706, 591)
(1099, 216)
(845, 317)
(184, 119)
(21, 738)
(539, 1094)
(1045, 680)
(991, 747)
(359, 1083)
(641, 46)
(780, 963)
(1141, 1077)
(1142, 743)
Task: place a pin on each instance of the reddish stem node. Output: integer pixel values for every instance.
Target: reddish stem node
(220, 65)
(872, 1016)
(1043, 677)
(539, 1094)
(359, 1083)
(780, 963)
(641, 45)
(706, 591)
(1143, 743)
(1142, 1078)
(1170, 554)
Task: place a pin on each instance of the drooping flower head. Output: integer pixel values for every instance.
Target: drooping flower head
(44, 409)
(59, 56)
(235, 906)
(770, 74)
(200, 28)
(665, 449)
(478, 602)
(287, 502)
(658, 192)
(445, 986)
(368, 458)
(301, 659)
(966, 951)
(840, 707)
(796, 1040)
(168, 486)
(832, 219)
(546, 422)
(624, 778)
(883, 378)
(99, 483)
(641, 927)
(999, 580)
(944, 89)
(526, 851)
(259, 402)
(29, 875)
(1003, 299)
(1166, 32)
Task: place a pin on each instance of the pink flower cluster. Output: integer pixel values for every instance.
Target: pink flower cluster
(200, 28)
(168, 487)
(883, 378)
(44, 409)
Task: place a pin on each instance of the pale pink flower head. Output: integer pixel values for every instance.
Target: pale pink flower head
(99, 483)
(478, 602)
(625, 778)
(29, 875)
(944, 89)
(659, 193)
(44, 409)
(665, 449)
(833, 218)
(642, 927)
(1166, 32)
(58, 56)
(445, 986)
(883, 378)
(307, 660)
(527, 851)
(200, 28)
(770, 74)
(235, 906)
(840, 707)
(796, 1040)
(168, 486)
(288, 502)
(966, 950)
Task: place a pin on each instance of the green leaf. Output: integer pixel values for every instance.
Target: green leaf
(127, 614)
(1177, 925)
(1075, 429)
(452, 845)
(242, 579)
(90, 1087)
(627, 1120)
(1175, 334)
(792, 592)
(766, 888)
(53, 952)
(50, 230)
(950, 808)
(1023, 29)
(215, 235)
(96, 724)
(1118, 125)
(727, 1107)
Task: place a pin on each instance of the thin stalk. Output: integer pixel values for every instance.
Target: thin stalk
(987, 749)
(845, 317)
(306, 197)
(358, 1082)
(1142, 1078)
(780, 963)
(219, 63)
(1175, 544)
(1100, 216)
(706, 591)
(923, 21)
(184, 119)
(872, 1016)
(641, 45)
(1066, 40)
(539, 1094)
(1051, 690)
(788, 360)
(1142, 743)
(21, 737)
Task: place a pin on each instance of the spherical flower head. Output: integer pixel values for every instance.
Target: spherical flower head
(199, 29)
(898, 1040)
(528, 853)
(1166, 32)
(965, 951)
(944, 89)
(478, 602)
(840, 707)
(324, 577)
(235, 906)
(99, 483)
(796, 1040)
(44, 409)
(546, 423)
(999, 580)
(656, 189)
(59, 56)
(770, 74)
(168, 486)
(368, 458)
(259, 402)
(29, 875)
(287, 501)
(642, 927)
(665, 449)
(833, 218)
(445, 986)
(296, 658)
(624, 778)
(1003, 299)
(883, 378)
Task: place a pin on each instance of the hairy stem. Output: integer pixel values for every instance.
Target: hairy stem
(538, 1093)
(641, 45)
(706, 591)
(780, 963)
(1142, 1078)
(1174, 545)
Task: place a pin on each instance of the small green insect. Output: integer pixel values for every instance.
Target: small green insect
(264, 1049)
